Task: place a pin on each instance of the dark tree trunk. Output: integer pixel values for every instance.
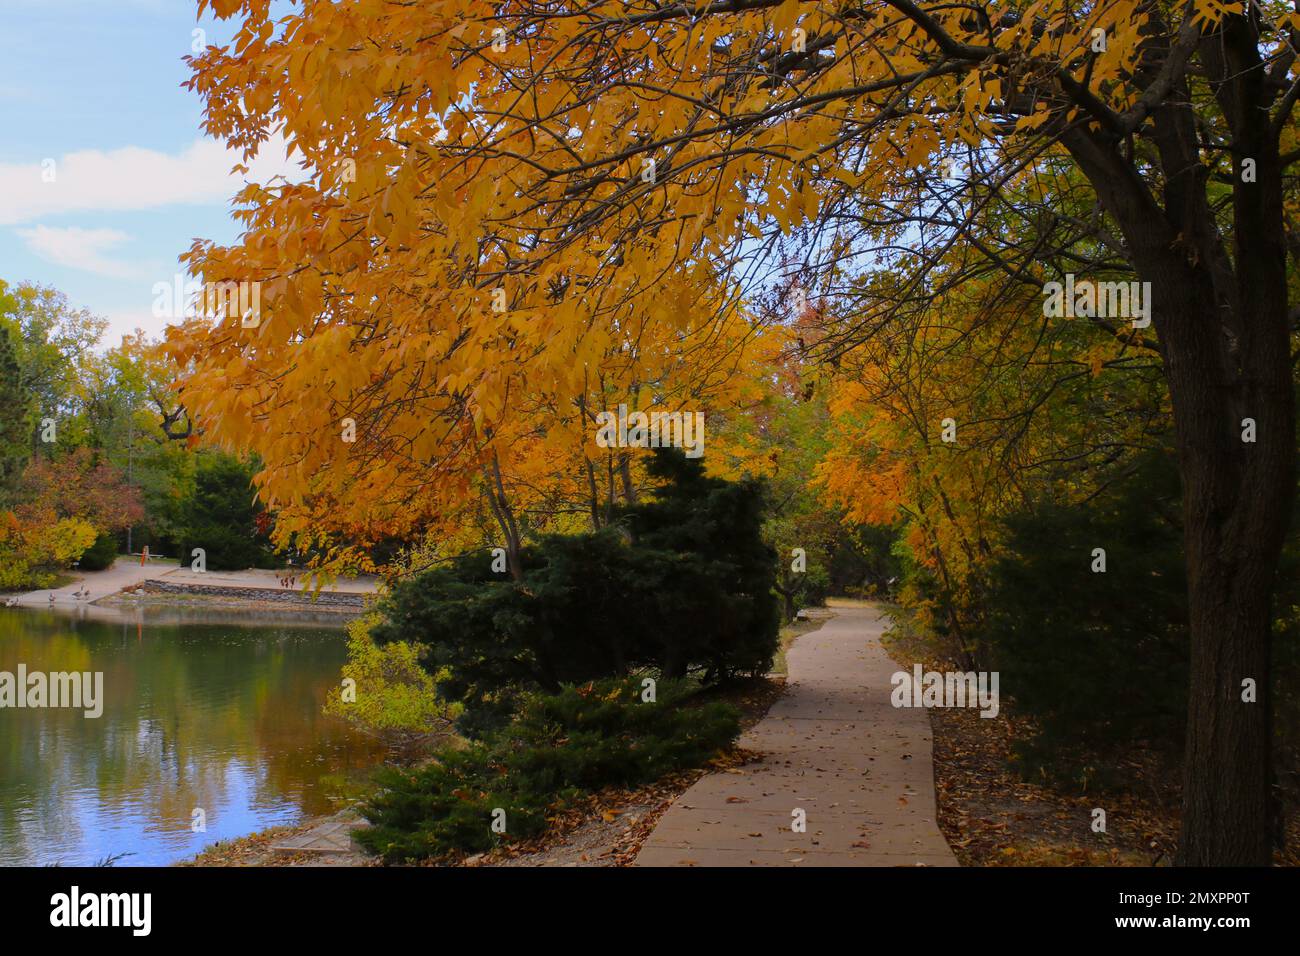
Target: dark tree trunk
(1224, 333)
(674, 666)
(593, 496)
(625, 475)
(505, 515)
(1237, 504)
(1237, 494)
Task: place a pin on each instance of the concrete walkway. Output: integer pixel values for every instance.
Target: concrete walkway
(834, 747)
(127, 571)
(124, 573)
(327, 843)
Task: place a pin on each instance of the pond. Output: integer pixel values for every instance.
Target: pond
(218, 714)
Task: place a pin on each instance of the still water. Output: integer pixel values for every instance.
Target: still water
(221, 714)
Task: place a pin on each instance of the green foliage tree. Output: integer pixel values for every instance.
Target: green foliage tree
(865, 561)
(55, 349)
(114, 410)
(15, 413)
(802, 530)
(682, 584)
(712, 593)
(130, 416)
(222, 517)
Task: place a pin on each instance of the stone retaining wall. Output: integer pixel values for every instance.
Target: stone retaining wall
(294, 595)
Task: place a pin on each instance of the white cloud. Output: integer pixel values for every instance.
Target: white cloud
(133, 178)
(127, 322)
(83, 249)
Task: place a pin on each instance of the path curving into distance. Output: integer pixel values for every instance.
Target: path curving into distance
(860, 769)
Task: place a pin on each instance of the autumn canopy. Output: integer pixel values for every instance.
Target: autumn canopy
(515, 216)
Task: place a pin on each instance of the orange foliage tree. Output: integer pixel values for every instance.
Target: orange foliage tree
(521, 205)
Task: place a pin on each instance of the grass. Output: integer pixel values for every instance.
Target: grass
(788, 634)
(154, 560)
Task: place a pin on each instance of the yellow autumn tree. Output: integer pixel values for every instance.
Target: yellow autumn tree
(972, 409)
(610, 169)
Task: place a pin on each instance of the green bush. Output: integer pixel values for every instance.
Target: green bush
(101, 554)
(396, 698)
(1097, 658)
(559, 748)
(682, 585)
(224, 549)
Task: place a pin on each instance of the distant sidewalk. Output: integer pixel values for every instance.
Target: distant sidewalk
(127, 572)
(834, 747)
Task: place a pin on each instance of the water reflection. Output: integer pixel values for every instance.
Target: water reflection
(220, 716)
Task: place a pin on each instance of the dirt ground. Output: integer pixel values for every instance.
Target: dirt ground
(992, 815)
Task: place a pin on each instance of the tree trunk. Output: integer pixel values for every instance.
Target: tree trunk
(1237, 502)
(505, 515)
(593, 495)
(1236, 506)
(625, 474)
(1224, 337)
(1227, 764)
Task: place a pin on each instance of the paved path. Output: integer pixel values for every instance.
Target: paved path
(328, 843)
(126, 572)
(834, 747)
(100, 584)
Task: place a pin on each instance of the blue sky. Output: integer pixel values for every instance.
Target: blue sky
(95, 86)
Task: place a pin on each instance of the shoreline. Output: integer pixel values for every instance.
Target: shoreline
(605, 829)
(150, 595)
(130, 585)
